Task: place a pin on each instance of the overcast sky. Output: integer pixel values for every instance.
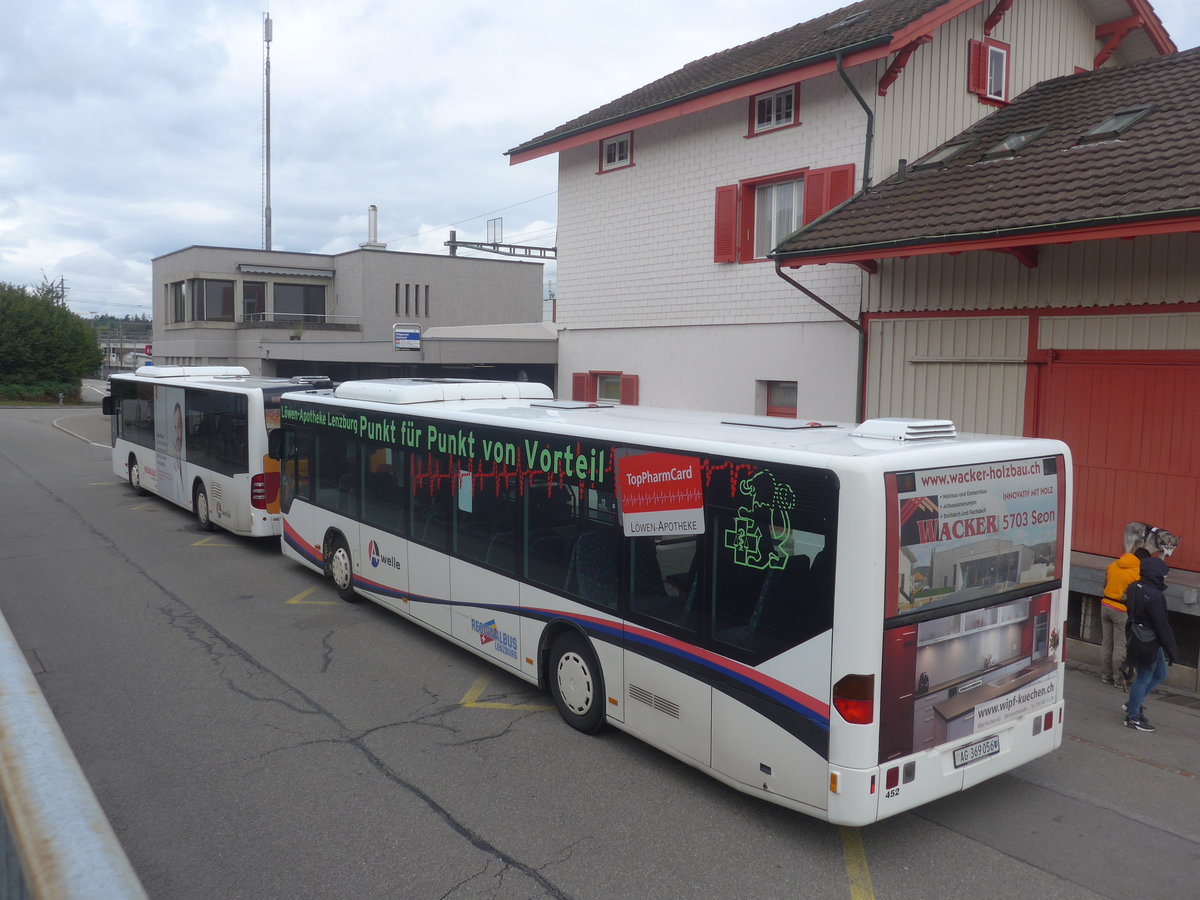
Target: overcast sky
(132, 128)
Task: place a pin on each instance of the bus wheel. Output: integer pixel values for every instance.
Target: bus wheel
(340, 568)
(576, 683)
(135, 475)
(200, 505)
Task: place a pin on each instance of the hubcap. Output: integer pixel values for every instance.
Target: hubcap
(339, 568)
(574, 683)
(202, 507)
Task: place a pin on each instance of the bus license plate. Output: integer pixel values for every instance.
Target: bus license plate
(989, 746)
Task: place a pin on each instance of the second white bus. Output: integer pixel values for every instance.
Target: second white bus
(848, 620)
(197, 436)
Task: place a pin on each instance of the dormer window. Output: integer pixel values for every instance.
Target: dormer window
(942, 155)
(616, 152)
(1013, 143)
(770, 112)
(1116, 124)
(987, 70)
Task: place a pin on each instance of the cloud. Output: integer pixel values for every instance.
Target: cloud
(133, 128)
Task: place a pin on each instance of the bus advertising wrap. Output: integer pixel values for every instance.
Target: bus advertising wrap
(976, 531)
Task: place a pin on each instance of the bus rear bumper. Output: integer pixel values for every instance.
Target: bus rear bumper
(862, 796)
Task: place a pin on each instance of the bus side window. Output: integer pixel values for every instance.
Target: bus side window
(385, 494)
(432, 498)
(296, 467)
(337, 473)
(664, 580)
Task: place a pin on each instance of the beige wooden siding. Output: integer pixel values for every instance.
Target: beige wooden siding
(1169, 331)
(1145, 270)
(970, 370)
(929, 103)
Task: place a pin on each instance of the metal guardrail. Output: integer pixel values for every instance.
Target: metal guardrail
(56, 842)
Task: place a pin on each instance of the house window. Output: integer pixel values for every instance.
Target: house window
(987, 70)
(942, 155)
(616, 152)
(412, 300)
(1013, 143)
(605, 387)
(300, 303)
(773, 111)
(212, 300)
(754, 216)
(1116, 124)
(781, 399)
(177, 298)
(776, 214)
(254, 301)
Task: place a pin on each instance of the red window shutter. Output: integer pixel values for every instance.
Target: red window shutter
(725, 230)
(976, 67)
(629, 390)
(826, 188)
(580, 381)
(816, 193)
(841, 184)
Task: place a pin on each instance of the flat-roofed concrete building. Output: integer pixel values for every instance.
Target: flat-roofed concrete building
(286, 313)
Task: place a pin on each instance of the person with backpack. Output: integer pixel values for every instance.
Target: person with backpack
(1149, 641)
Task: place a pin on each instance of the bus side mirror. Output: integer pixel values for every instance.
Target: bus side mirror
(274, 443)
(107, 406)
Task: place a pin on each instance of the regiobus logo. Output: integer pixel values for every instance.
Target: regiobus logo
(379, 557)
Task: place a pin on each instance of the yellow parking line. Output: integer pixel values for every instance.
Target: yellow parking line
(210, 541)
(858, 874)
(300, 601)
(471, 699)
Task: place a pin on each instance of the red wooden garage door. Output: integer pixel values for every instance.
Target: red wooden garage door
(1132, 425)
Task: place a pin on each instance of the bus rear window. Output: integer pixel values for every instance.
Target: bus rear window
(973, 533)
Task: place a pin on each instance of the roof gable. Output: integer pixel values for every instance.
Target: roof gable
(1056, 185)
(858, 32)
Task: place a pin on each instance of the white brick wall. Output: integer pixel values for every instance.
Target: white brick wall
(636, 244)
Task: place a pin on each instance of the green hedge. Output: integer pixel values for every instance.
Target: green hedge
(40, 391)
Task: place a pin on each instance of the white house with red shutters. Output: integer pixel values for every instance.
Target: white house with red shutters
(672, 196)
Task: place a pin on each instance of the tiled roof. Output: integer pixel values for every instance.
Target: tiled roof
(790, 48)
(1055, 183)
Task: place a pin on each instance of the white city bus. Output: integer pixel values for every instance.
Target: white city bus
(846, 620)
(197, 436)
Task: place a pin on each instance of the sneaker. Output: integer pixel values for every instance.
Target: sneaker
(1125, 708)
(1140, 724)
(1106, 679)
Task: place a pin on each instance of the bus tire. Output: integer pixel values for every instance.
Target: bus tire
(135, 475)
(576, 683)
(200, 506)
(340, 568)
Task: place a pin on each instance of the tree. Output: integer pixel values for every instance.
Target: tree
(45, 349)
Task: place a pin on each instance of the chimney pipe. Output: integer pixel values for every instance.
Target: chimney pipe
(372, 242)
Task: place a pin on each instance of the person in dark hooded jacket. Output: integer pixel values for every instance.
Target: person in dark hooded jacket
(1148, 606)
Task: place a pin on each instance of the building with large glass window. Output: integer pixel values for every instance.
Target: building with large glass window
(365, 313)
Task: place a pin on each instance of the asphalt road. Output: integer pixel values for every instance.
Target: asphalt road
(250, 735)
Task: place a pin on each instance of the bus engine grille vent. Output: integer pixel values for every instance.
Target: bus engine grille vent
(216, 490)
(651, 699)
(906, 430)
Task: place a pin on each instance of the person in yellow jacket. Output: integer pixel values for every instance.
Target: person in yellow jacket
(1121, 573)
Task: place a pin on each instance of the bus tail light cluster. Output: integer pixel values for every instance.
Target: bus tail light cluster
(854, 699)
(263, 488)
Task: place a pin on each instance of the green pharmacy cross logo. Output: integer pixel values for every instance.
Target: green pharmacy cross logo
(746, 538)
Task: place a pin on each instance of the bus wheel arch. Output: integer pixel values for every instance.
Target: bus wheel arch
(200, 506)
(339, 565)
(571, 673)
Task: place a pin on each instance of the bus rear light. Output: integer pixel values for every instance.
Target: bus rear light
(833, 782)
(892, 778)
(1048, 721)
(264, 489)
(854, 699)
